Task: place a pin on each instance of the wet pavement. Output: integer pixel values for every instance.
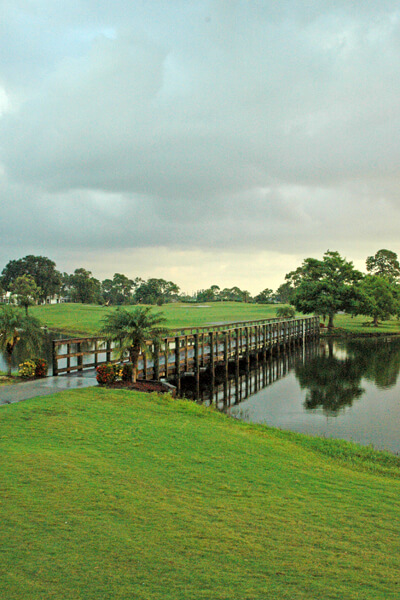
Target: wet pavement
(43, 387)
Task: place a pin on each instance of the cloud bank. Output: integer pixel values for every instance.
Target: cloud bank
(236, 128)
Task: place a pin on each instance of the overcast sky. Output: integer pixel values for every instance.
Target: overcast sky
(207, 142)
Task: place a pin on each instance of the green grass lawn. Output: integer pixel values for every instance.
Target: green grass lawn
(86, 318)
(362, 325)
(117, 495)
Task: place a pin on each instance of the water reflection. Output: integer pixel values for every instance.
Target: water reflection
(332, 383)
(330, 374)
(379, 360)
(242, 380)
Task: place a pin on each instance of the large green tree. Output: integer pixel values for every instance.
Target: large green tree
(117, 290)
(156, 291)
(40, 268)
(385, 264)
(377, 297)
(83, 287)
(131, 329)
(15, 326)
(324, 287)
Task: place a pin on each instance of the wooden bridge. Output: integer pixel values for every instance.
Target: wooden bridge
(189, 351)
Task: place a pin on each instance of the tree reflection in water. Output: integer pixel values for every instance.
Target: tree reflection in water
(333, 383)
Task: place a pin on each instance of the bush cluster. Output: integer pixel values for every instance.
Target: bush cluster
(33, 367)
(108, 373)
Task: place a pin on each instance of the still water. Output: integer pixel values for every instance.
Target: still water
(340, 389)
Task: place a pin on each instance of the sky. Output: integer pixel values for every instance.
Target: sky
(204, 142)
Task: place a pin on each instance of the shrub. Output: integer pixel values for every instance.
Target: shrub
(127, 372)
(106, 373)
(27, 369)
(41, 367)
(286, 312)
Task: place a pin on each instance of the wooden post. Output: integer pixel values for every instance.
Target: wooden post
(186, 354)
(246, 335)
(177, 358)
(68, 357)
(226, 353)
(212, 366)
(156, 361)
(80, 357)
(178, 365)
(166, 353)
(264, 343)
(108, 351)
(96, 362)
(54, 357)
(196, 359)
(237, 348)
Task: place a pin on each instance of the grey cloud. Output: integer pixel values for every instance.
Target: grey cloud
(206, 124)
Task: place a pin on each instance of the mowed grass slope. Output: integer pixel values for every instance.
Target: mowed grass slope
(87, 318)
(120, 495)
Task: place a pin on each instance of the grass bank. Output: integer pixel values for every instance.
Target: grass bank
(118, 495)
(85, 319)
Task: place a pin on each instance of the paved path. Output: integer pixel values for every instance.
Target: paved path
(48, 385)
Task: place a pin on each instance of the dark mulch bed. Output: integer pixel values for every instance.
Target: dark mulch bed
(143, 386)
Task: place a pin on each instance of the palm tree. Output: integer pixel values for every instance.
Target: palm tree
(14, 326)
(131, 330)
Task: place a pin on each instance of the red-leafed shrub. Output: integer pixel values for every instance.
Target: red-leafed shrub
(40, 367)
(106, 373)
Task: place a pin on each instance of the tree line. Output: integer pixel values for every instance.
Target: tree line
(323, 287)
(35, 279)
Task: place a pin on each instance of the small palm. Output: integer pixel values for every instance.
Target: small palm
(131, 331)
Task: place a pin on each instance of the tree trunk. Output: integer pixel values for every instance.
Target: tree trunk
(134, 358)
(375, 322)
(9, 351)
(330, 322)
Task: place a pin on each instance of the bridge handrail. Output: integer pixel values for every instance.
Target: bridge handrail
(192, 330)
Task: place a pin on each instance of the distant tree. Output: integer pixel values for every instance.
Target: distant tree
(326, 286)
(117, 290)
(285, 293)
(83, 287)
(131, 330)
(384, 264)
(14, 326)
(207, 295)
(41, 268)
(265, 297)
(377, 298)
(286, 312)
(152, 290)
(26, 291)
(234, 294)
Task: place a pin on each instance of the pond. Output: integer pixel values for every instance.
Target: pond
(340, 389)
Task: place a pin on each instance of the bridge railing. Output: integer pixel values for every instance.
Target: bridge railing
(188, 350)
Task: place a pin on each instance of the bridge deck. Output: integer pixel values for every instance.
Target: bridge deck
(189, 350)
